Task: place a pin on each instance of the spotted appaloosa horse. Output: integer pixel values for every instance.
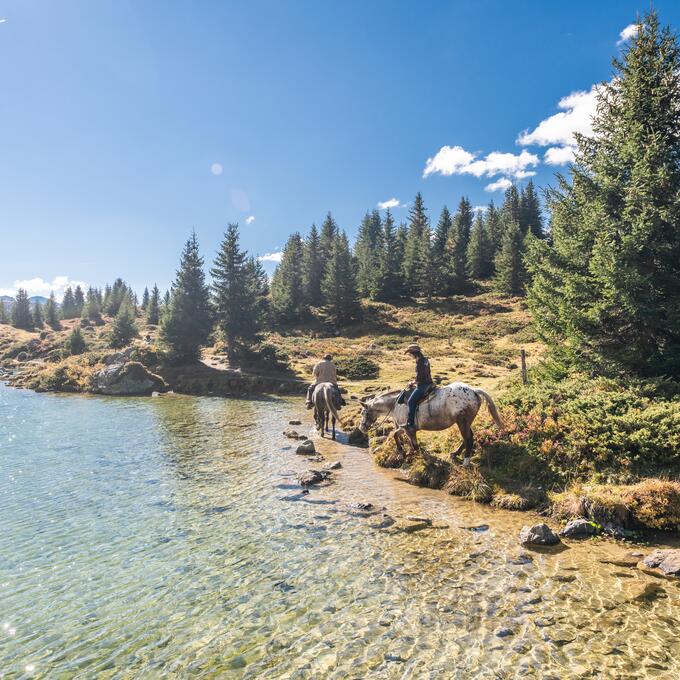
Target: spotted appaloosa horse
(454, 404)
(326, 404)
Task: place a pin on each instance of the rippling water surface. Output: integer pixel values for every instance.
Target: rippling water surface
(167, 538)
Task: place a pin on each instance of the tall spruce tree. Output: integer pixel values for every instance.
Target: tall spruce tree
(124, 328)
(92, 307)
(234, 295)
(607, 290)
(38, 319)
(153, 309)
(510, 275)
(389, 282)
(313, 261)
(480, 252)
(493, 227)
(441, 237)
(22, 316)
(52, 312)
(3, 312)
(416, 256)
(341, 299)
(187, 321)
(531, 218)
(145, 299)
(68, 305)
(456, 249)
(289, 297)
(329, 230)
(367, 251)
(79, 300)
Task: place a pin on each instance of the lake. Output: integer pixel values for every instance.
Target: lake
(166, 537)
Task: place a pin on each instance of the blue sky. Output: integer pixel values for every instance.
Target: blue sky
(126, 124)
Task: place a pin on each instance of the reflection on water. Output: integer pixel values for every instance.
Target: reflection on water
(148, 538)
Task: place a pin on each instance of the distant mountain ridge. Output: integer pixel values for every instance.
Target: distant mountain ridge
(8, 300)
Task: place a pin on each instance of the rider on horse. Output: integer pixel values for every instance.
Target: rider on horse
(423, 384)
(324, 371)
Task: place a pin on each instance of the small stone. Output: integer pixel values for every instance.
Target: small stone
(306, 448)
(539, 534)
(666, 561)
(336, 465)
(504, 632)
(415, 518)
(311, 477)
(295, 422)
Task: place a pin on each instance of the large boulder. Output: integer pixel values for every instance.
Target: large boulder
(539, 534)
(127, 379)
(666, 561)
(580, 528)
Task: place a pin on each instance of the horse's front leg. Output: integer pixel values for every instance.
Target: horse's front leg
(333, 428)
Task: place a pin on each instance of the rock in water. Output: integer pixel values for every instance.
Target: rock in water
(539, 534)
(580, 528)
(667, 561)
(333, 466)
(128, 379)
(295, 422)
(312, 477)
(306, 448)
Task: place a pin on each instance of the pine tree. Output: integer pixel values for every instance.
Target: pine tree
(441, 237)
(510, 274)
(52, 313)
(493, 226)
(289, 298)
(531, 218)
(145, 299)
(3, 312)
(68, 305)
(259, 283)
(187, 321)
(92, 307)
(329, 230)
(79, 300)
(389, 283)
(313, 268)
(38, 320)
(124, 328)
(607, 290)
(341, 300)
(75, 342)
(416, 257)
(153, 309)
(367, 251)
(236, 308)
(456, 248)
(22, 317)
(480, 250)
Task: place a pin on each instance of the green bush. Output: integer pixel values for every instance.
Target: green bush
(581, 428)
(357, 368)
(75, 342)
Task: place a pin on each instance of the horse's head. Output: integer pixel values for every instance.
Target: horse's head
(368, 414)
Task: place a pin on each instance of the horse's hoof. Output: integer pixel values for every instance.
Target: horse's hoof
(466, 462)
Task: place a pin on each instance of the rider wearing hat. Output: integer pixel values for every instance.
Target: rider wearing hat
(324, 371)
(423, 382)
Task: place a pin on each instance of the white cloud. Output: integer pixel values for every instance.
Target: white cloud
(480, 208)
(499, 185)
(579, 108)
(627, 33)
(559, 155)
(216, 168)
(454, 160)
(271, 257)
(38, 286)
(2, 21)
(390, 203)
(523, 174)
(250, 219)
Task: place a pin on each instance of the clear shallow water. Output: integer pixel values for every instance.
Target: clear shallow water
(157, 538)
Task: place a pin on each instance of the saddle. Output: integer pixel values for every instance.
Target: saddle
(405, 394)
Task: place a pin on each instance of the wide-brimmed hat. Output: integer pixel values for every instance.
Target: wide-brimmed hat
(412, 349)
(327, 357)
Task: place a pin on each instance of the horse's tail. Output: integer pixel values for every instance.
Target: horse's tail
(492, 407)
(329, 398)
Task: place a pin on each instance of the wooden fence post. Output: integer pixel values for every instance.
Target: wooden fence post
(523, 357)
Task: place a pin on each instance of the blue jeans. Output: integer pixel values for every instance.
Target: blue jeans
(413, 400)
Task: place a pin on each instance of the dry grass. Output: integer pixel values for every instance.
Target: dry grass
(469, 482)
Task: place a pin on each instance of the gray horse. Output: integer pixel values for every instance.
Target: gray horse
(454, 404)
(326, 400)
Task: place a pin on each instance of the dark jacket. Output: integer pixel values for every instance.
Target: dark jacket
(423, 375)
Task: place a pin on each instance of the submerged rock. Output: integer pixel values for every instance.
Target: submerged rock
(306, 448)
(312, 477)
(295, 422)
(336, 465)
(580, 528)
(128, 379)
(539, 534)
(666, 561)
